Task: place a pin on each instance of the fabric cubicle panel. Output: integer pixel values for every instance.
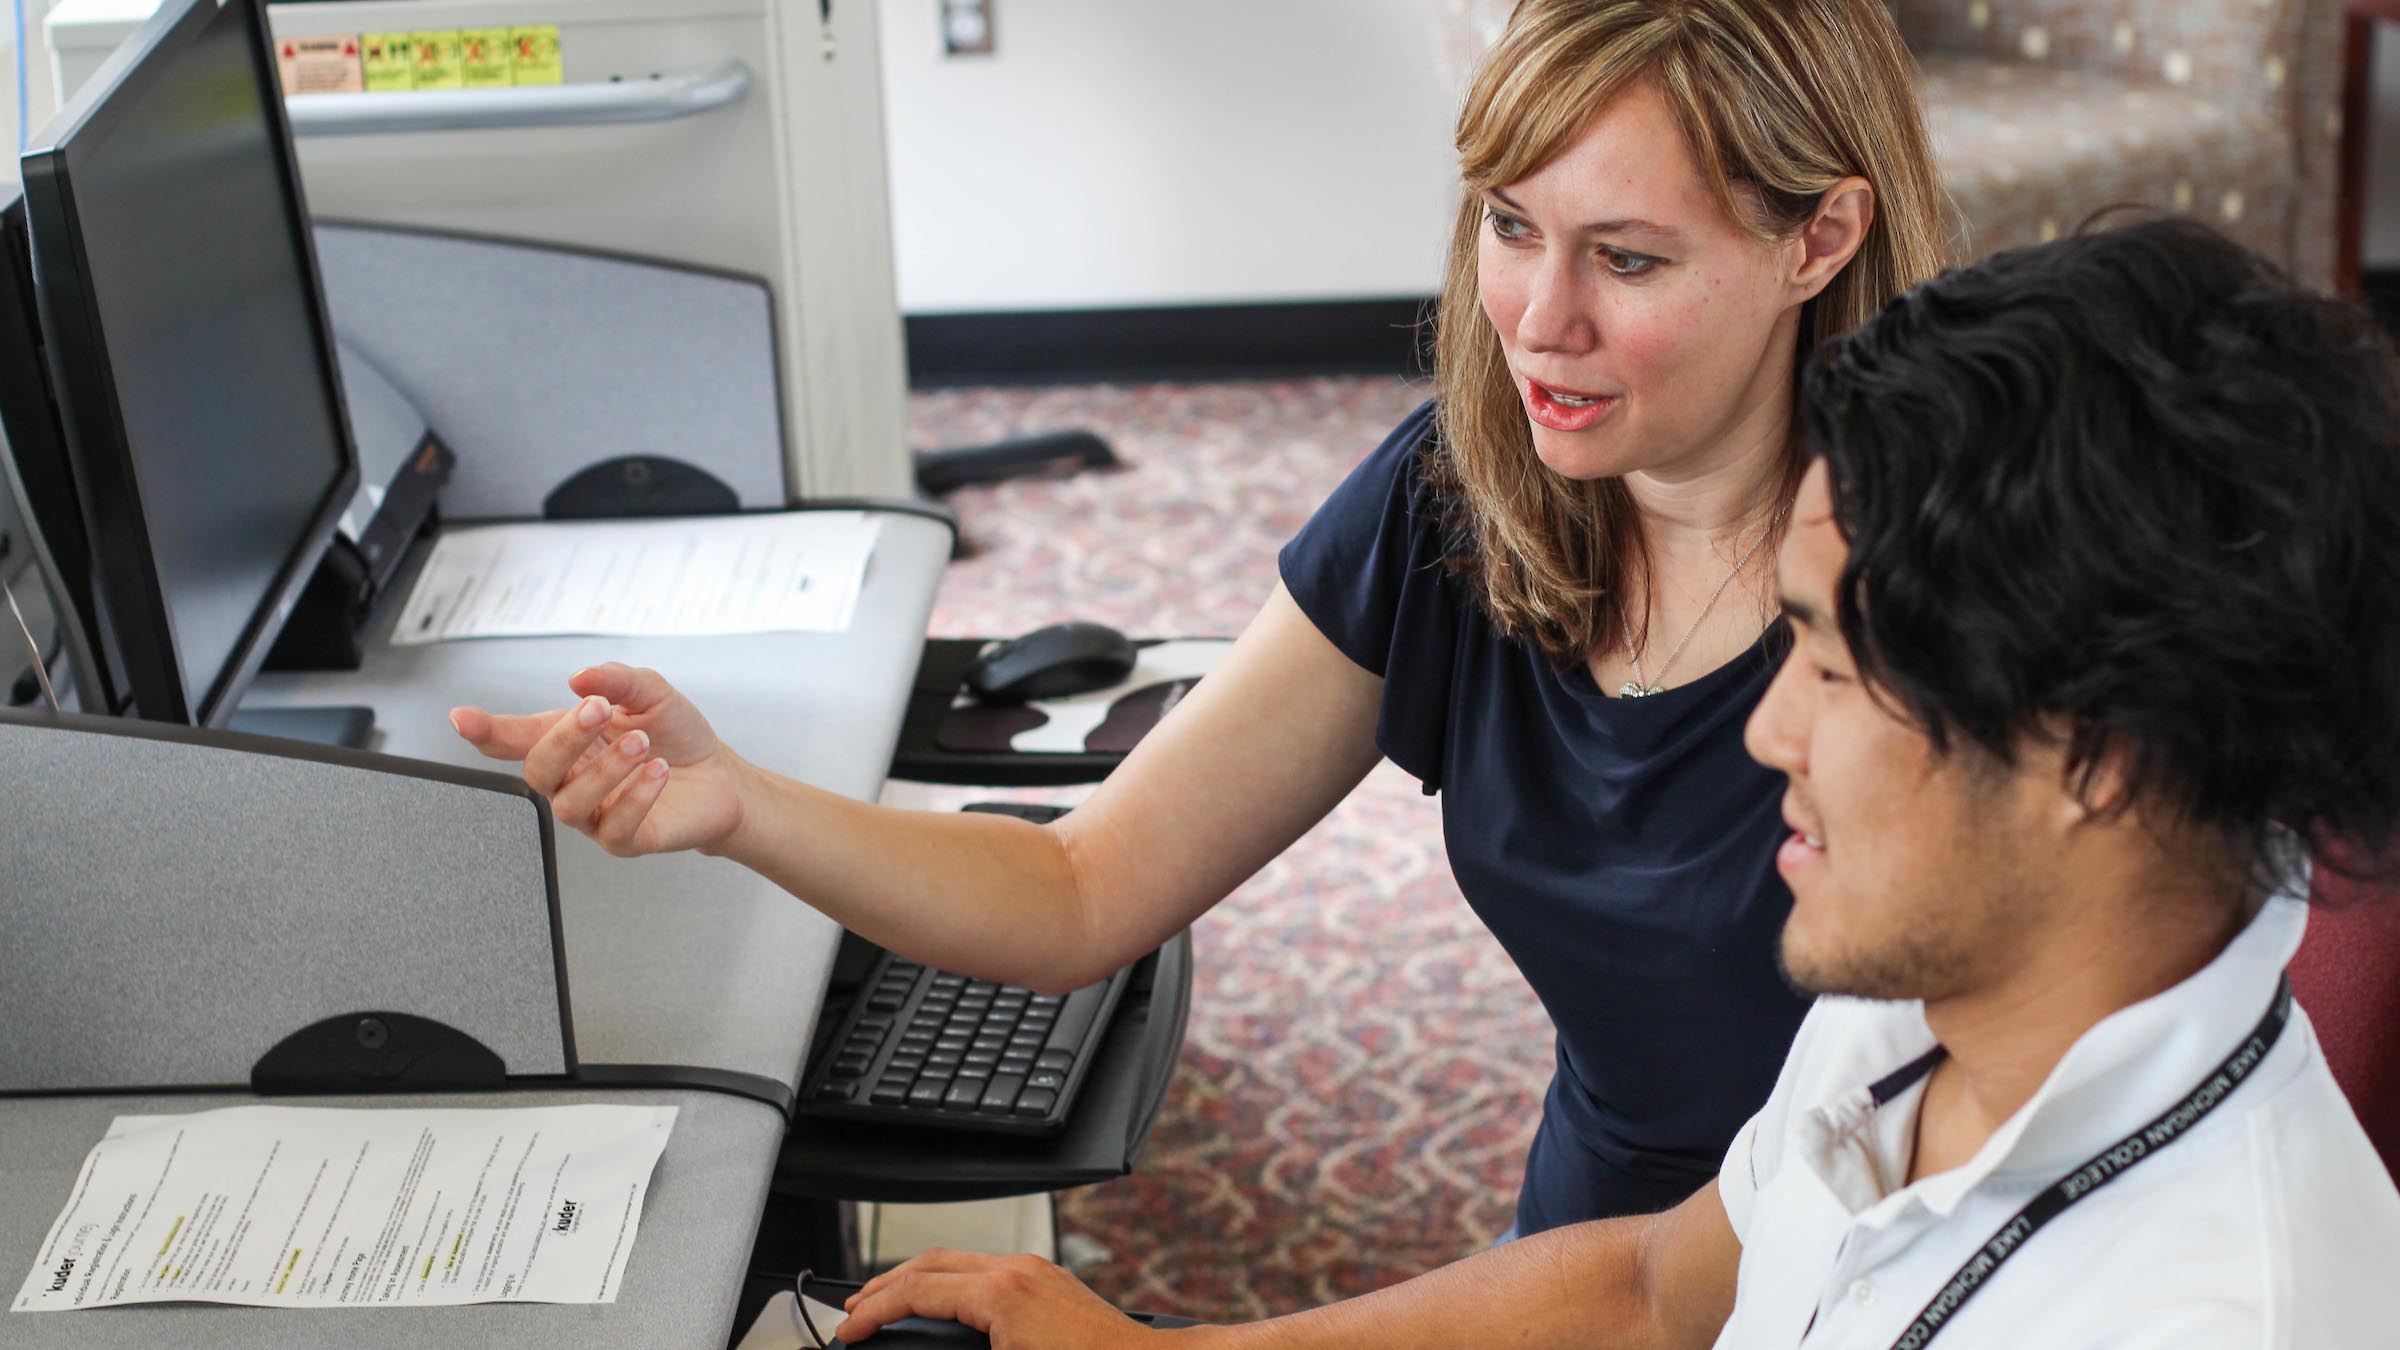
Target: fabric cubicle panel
(177, 902)
(534, 362)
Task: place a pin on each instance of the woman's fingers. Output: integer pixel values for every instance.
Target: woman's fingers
(577, 801)
(637, 689)
(503, 736)
(595, 750)
(622, 814)
(584, 758)
(552, 758)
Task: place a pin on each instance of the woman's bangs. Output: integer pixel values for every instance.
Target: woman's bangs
(1527, 106)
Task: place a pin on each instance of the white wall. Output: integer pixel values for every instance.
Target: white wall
(1137, 152)
(1158, 152)
(41, 92)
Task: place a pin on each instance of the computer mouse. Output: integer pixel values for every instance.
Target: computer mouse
(1052, 662)
(923, 1333)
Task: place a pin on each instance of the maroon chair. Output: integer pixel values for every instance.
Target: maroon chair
(2347, 975)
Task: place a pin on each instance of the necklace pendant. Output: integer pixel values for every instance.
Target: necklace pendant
(1632, 690)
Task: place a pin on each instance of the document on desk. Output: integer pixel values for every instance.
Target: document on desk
(314, 1207)
(687, 577)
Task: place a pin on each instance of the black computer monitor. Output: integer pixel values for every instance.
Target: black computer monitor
(48, 505)
(190, 352)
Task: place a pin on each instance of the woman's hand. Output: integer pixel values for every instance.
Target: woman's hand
(1020, 1302)
(634, 764)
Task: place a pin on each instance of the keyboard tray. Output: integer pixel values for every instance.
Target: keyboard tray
(1104, 1135)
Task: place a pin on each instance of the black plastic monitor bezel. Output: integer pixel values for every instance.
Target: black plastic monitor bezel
(84, 377)
(47, 496)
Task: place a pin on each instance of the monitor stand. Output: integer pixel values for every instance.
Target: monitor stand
(347, 725)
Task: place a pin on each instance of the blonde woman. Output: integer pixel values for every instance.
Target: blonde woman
(1548, 596)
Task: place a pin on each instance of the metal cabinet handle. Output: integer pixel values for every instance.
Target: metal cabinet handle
(687, 94)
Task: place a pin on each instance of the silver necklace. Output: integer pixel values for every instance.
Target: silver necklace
(1640, 686)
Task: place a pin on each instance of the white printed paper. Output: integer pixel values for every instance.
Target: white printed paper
(317, 1207)
(687, 577)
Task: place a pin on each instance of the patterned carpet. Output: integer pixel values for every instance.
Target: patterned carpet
(1364, 1065)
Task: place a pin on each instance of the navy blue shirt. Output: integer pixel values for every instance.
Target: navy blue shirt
(1622, 850)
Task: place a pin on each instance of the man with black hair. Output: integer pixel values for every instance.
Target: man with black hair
(2095, 604)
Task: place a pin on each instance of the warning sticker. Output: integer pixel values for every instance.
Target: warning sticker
(535, 57)
(487, 58)
(435, 61)
(392, 63)
(388, 67)
(320, 65)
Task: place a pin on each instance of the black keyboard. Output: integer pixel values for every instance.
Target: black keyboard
(927, 1047)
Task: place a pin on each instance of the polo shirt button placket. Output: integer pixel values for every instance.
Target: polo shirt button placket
(1862, 1292)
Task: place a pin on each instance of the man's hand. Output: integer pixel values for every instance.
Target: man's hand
(1020, 1302)
(1658, 1282)
(634, 764)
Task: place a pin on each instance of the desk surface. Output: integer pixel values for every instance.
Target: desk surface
(698, 1222)
(684, 960)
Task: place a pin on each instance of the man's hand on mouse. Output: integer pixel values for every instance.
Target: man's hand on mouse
(632, 764)
(1020, 1302)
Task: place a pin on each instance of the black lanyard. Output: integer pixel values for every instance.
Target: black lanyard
(2102, 1168)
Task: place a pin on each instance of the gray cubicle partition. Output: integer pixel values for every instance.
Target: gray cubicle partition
(533, 362)
(682, 960)
(177, 902)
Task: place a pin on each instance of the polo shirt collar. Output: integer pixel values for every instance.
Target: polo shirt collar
(2136, 1062)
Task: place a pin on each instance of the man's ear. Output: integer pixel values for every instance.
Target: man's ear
(1834, 234)
(2099, 790)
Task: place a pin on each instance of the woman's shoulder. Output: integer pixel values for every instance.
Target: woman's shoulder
(1397, 460)
(1385, 501)
(1371, 565)
(1403, 476)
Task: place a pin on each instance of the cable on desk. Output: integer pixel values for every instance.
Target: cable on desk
(41, 665)
(800, 1318)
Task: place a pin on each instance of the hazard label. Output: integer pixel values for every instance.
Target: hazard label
(392, 63)
(387, 62)
(535, 55)
(487, 56)
(320, 65)
(435, 62)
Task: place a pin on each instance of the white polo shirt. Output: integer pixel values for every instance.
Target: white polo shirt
(2270, 1224)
